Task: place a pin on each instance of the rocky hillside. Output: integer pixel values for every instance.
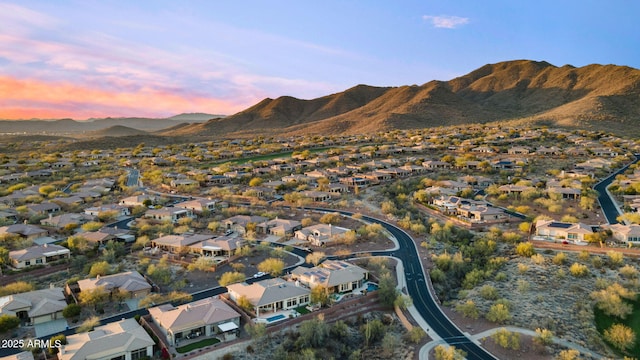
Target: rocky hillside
(599, 97)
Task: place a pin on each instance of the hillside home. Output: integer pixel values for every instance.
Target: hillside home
(38, 255)
(178, 243)
(629, 234)
(270, 295)
(207, 317)
(555, 230)
(321, 234)
(239, 223)
(121, 340)
(168, 214)
(137, 200)
(198, 206)
(35, 307)
(130, 282)
(25, 231)
(279, 227)
(119, 210)
(44, 208)
(220, 246)
(334, 275)
(65, 220)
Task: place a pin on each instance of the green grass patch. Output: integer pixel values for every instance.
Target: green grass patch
(197, 345)
(603, 322)
(302, 310)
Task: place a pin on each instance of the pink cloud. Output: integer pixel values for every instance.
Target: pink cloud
(29, 98)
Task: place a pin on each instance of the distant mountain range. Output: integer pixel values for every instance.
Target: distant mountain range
(100, 127)
(597, 97)
(593, 97)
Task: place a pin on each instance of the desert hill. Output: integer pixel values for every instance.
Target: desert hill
(117, 130)
(597, 97)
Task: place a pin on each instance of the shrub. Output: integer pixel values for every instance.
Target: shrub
(578, 270)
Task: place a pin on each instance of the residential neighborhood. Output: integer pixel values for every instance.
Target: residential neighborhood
(283, 231)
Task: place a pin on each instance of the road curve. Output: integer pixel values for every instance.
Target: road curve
(607, 204)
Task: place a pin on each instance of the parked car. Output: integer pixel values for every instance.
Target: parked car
(259, 274)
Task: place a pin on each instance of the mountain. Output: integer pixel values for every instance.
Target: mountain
(598, 97)
(75, 127)
(117, 130)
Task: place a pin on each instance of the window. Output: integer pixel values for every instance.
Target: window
(572, 236)
(38, 261)
(139, 354)
(27, 263)
(121, 357)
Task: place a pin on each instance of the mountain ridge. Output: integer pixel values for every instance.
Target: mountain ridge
(595, 96)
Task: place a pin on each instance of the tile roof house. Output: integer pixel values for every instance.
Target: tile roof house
(220, 246)
(131, 282)
(205, 317)
(25, 231)
(198, 205)
(270, 295)
(320, 234)
(178, 243)
(239, 223)
(280, 227)
(122, 340)
(63, 220)
(38, 255)
(555, 230)
(171, 214)
(335, 275)
(626, 233)
(36, 306)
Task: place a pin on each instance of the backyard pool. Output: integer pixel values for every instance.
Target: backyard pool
(275, 318)
(372, 287)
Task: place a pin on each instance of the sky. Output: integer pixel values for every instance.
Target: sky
(84, 59)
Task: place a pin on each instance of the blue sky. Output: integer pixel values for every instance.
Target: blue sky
(84, 59)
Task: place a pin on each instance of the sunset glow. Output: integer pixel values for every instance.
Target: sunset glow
(161, 58)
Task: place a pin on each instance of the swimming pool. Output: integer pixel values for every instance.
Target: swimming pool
(372, 287)
(275, 318)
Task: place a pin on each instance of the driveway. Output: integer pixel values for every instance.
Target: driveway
(50, 327)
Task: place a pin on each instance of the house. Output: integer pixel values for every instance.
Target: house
(334, 275)
(106, 234)
(38, 255)
(169, 214)
(555, 230)
(119, 210)
(480, 212)
(178, 243)
(43, 208)
(25, 231)
(122, 340)
(270, 295)
(137, 200)
(198, 206)
(280, 227)
(65, 220)
(130, 282)
(518, 150)
(207, 317)
(436, 164)
(565, 192)
(626, 233)
(317, 196)
(320, 234)
(220, 246)
(35, 307)
(239, 223)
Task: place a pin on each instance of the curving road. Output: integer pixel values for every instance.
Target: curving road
(417, 288)
(607, 204)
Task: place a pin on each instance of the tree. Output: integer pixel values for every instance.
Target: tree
(244, 303)
(416, 334)
(100, 268)
(330, 218)
(315, 258)
(16, 288)
(256, 181)
(71, 310)
(313, 333)
(578, 270)
(468, 309)
(442, 352)
(620, 336)
(272, 266)
(4, 256)
(320, 295)
(498, 313)
(8, 322)
(525, 249)
(390, 343)
(203, 263)
(507, 339)
(55, 341)
(544, 337)
(229, 278)
(568, 354)
(387, 292)
(373, 331)
(94, 296)
(92, 226)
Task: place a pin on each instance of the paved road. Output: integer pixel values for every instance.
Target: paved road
(422, 298)
(134, 176)
(607, 204)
